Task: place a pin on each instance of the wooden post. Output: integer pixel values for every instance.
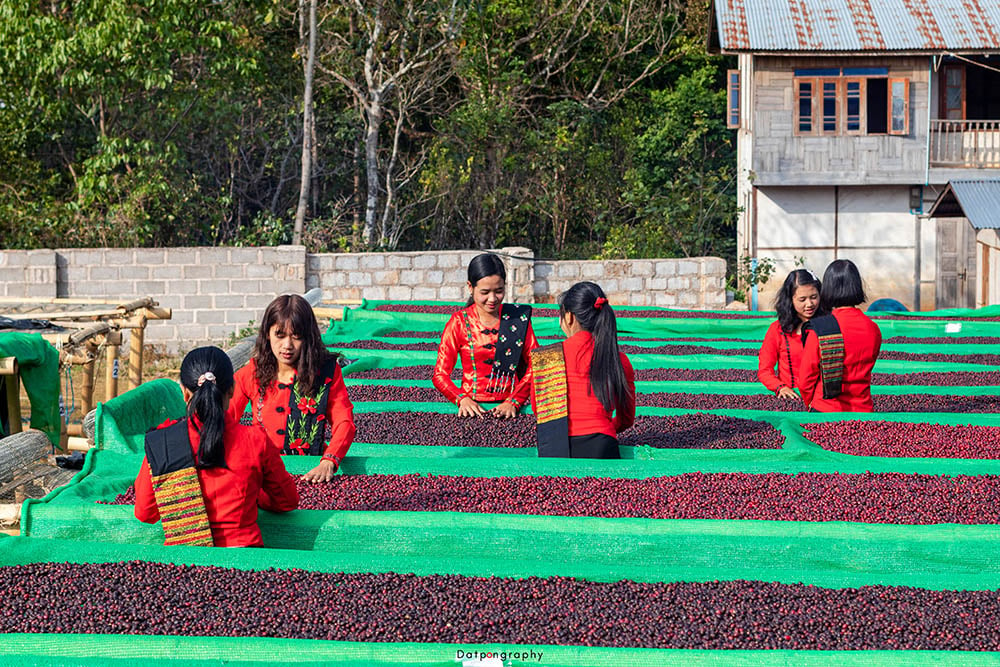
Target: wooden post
(87, 392)
(12, 380)
(112, 341)
(135, 346)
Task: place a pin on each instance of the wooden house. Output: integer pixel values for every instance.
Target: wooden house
(852, 117)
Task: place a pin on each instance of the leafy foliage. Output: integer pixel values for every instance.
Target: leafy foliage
(577, 128)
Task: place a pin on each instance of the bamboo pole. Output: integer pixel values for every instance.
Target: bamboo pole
(331, 313)
(135, 344)
(12, 382)
(111, 369)
(87, 392)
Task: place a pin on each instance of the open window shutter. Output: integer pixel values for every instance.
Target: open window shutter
(899, 106)
(854, 106)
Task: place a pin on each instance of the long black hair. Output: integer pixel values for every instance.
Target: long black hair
(842, 286)
(293, 315)
(484, 266)
(207, 373)
(590, 306)
(788, 319)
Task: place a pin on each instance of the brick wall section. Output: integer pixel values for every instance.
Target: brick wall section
(413, 276)
(698, 282)
(214, 292)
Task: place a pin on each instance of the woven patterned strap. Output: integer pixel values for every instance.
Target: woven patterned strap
(182, 508)
(549, 368)
(831, 354)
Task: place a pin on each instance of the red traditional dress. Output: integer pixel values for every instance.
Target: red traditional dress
(569, 413)
(487, 356)
(783, 350)
(862, 341)
(254, 477)
(295, 422)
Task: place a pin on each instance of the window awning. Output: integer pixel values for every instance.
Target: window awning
(979, 201)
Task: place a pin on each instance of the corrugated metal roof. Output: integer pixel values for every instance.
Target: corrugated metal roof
(979, 201)
(858, 25)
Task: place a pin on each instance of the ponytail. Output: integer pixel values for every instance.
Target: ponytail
(207, 373)
(590, 306)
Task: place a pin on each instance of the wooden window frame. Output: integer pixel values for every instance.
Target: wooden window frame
(862, 105)
(797, 87)
(733, 98)
(943, 95)
(817, 98)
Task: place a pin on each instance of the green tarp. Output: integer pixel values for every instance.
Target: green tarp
(39, 367)
(70, 526)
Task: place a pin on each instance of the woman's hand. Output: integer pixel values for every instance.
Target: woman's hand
(469, 408)
(324, 472)
(505, 410)
(788, 392)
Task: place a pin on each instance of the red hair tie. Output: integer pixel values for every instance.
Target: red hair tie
(600, 302)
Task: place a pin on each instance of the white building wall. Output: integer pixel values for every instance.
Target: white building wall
(870, 225)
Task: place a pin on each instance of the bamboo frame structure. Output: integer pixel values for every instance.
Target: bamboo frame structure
(88, 325)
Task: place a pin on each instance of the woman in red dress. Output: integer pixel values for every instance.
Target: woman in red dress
(583, 389)
(295, 389)
(797, 302)
(205, 476)
(840, 349)
(493, 340)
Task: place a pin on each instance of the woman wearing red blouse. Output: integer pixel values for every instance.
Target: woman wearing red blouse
(583, 389)
(295, 389)
(232, 466)
(797, 302)
(493, 340)
(841, 348)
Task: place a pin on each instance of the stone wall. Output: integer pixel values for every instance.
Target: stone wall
(413, 276)
(215, 292)
(698, 282)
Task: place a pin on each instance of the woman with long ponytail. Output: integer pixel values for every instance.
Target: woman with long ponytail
(583, 389)
(205, 476)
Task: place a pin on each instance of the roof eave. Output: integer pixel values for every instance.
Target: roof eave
(887, 52)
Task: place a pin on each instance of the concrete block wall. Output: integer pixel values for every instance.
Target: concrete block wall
(697, 282)
(413, 276)
(28, 273)
(215, 292)
(212, 292)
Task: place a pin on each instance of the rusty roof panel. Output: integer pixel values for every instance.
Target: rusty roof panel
(858, 25)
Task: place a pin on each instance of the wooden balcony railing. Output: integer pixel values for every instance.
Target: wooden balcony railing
(966, 144)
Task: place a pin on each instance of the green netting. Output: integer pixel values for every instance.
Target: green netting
(342, 342)
(707, 325)
(833, 554)
(39, 367)
(141, 651)
(393, 358)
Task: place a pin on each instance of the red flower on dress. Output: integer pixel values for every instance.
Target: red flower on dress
(307, 405)
(299, 445)
(327, 380)
(320, 418)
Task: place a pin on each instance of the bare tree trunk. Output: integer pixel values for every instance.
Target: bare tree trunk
(307, 122)
(374, 118)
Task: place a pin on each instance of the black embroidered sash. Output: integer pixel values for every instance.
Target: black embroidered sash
(548, 375)
(508, 361)
(831, 353)
(176, 487)
(307, 431)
